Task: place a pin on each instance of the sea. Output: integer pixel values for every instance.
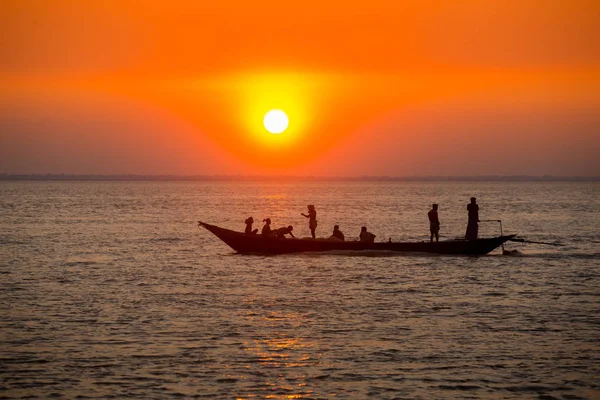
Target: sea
(109, 289)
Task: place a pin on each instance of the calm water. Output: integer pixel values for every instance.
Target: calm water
(109, 289)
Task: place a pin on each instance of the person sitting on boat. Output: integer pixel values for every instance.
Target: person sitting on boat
(337, 234)
(365, 236)
(249, 231)
(434, 223)
(473, 223)
(312, 219)
(281, 232)
(266, 230)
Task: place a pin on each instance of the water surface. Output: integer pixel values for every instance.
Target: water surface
(109, 289)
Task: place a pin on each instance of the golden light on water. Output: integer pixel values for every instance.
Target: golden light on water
(277, 351)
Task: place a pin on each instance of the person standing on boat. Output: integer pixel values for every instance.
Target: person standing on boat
(365, 236)
(337, 233)
(312, 219)
(249, 231)
(266, 230)
(281, 232)
(473, 223)
(434, 223)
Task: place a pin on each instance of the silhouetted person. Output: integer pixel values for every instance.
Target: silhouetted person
(249, 231)
(337, 233)
(281, 232)
(366, 237)
(473, 223)
(266, 230)
(312, 219)
(434, 223)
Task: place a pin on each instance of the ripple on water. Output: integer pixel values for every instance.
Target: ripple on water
(130, 300)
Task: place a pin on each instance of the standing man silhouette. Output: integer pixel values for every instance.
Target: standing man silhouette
(312, 219)
(434, 223)
(473, 223)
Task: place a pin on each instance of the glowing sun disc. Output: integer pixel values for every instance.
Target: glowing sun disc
(276, 121)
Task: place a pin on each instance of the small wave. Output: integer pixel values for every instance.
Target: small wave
(528, 388)
(584, 256)
(78, 263)
(226, 380)
(8, 241)
(459, 387)
(494, 294)
(319, 377)
(167, 239)
(561, 256)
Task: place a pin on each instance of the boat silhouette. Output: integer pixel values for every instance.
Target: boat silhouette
(257, 244)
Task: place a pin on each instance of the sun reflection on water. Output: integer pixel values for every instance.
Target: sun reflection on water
(274, 359)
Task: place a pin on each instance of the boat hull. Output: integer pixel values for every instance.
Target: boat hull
(257, 244)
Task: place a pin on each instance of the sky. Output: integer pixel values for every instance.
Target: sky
(395, 88)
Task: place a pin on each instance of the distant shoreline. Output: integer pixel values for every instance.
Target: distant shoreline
(252, 178)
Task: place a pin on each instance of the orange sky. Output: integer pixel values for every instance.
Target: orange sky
(372, 88)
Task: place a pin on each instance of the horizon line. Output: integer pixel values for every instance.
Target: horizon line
(239, 177)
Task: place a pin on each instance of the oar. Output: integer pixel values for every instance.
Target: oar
(531, 241)
(519, 240)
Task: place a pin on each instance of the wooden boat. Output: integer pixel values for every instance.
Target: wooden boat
(257, 244)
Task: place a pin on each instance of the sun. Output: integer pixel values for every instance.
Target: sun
(276, 121)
